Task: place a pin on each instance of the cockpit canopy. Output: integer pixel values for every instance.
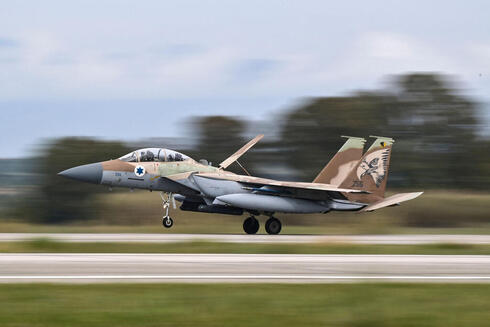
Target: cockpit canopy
(154, 155)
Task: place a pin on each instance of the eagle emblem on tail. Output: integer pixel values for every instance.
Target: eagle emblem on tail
(375, 165)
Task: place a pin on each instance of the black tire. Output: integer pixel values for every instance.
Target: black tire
(167, 222)
(251, 225)
(273, 226)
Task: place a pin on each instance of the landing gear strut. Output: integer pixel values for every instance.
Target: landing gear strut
(273, 226)
(167, 222)
(251, 225)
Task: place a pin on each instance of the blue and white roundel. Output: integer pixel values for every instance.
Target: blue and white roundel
(139, 171)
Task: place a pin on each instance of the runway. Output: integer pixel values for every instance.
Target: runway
(242, 238)
(75, 268)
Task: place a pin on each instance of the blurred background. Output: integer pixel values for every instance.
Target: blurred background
(90, 81)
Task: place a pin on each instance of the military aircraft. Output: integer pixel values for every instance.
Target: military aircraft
(351, 181)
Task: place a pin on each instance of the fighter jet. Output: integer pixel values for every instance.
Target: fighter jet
(351, 181)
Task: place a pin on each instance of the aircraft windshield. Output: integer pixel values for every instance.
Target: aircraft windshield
(154, 155)
(130, 157)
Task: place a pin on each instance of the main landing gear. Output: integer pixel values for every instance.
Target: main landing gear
(167, 222)
(251, 225)
(272, 225)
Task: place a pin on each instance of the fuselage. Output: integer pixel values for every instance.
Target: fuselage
(117, 173)
(203, 188)
(200, 186)
(140, 169)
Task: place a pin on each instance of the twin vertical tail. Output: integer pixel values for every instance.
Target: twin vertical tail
(371, 172)
(343, 162)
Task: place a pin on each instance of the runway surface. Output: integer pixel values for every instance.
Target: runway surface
(241, 268)
(242, 238)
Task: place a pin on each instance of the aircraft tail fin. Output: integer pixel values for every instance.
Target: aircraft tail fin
(342, 163)
(371, 172)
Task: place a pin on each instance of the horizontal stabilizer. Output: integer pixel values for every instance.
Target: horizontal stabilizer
(234, 157)
(392, 200)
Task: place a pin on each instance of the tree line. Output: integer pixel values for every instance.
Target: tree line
(435, 126)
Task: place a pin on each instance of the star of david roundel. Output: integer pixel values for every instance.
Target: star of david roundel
(139, 171)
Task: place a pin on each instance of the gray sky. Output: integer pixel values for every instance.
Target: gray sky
(136, 69)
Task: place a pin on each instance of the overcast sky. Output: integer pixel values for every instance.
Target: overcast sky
(136, 69)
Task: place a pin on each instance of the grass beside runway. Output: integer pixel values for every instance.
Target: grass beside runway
(435, 212)
(244, 305)
(49, 246)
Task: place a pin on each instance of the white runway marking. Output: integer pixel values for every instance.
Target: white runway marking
(245, 277)
(53, 267)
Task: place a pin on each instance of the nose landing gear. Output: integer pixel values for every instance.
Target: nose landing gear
(167, 222)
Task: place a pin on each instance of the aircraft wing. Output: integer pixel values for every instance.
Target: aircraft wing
(392, 200)
(234, 157)
(314, 191)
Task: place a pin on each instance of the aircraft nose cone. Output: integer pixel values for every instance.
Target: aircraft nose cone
(91, 173)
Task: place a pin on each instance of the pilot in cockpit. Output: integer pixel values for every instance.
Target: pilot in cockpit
(147, 156)
(150, 156)
(154, 154)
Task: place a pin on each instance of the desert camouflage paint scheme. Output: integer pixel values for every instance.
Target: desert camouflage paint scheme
(342, 163)
(351, 181)
(118, 173)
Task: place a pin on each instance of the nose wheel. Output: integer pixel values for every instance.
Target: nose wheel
(167, 222)
(273, 226)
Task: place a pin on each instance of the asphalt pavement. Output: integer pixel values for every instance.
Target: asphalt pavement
(75, 268)
(243, 238)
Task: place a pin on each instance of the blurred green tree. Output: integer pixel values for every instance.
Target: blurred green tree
(311, 132)
(219, 137)
(435, 127)
(59, 199)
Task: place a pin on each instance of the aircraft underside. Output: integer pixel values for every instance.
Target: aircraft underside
(233, 198)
